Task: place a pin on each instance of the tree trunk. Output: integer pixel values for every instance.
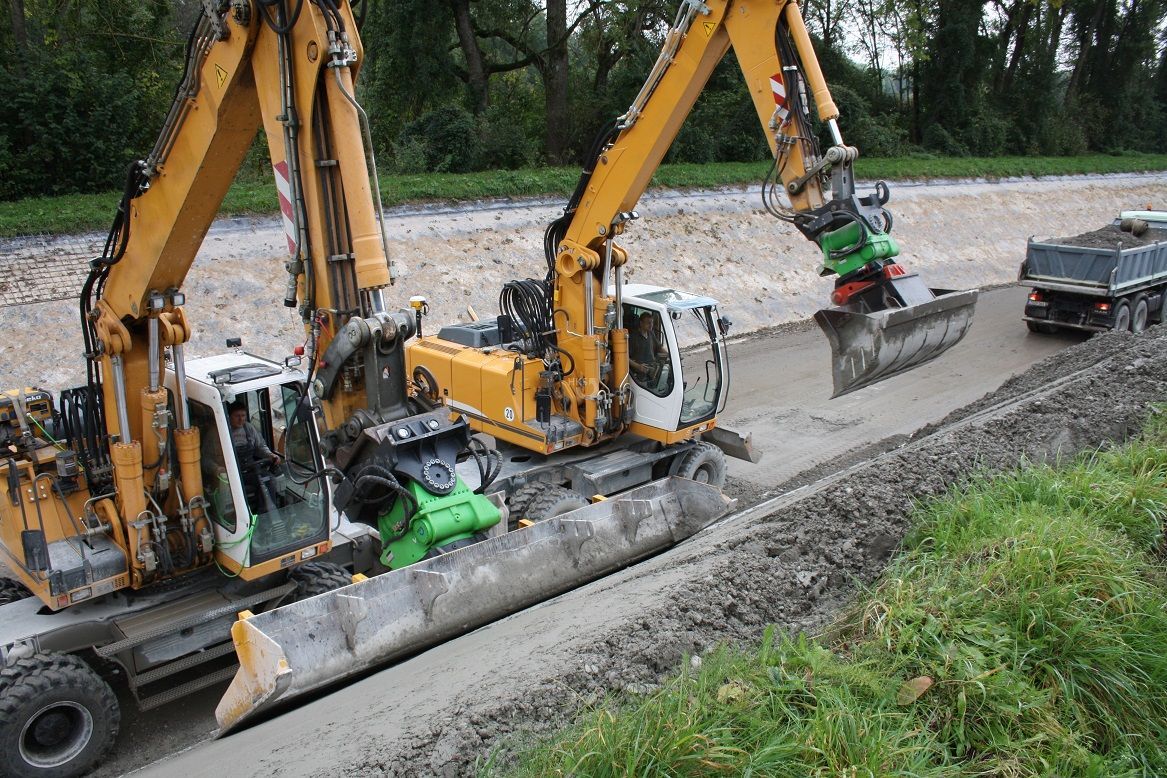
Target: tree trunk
(1087, 31)
(19, 33)
(1003, 44)
(475, 63)
(555, 76)
(1019, 51)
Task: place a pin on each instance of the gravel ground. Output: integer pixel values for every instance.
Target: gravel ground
(797, 565)
(717, 242)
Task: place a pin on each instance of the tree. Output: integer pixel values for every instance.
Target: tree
(81, 65)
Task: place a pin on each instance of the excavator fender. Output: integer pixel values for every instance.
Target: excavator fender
(869, 347)
(313, 643)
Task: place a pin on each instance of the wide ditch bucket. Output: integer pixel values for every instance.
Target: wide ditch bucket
(310, 644)
(869, 347)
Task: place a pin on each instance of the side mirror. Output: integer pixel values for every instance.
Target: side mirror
(724, 324)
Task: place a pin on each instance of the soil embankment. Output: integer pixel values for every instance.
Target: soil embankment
(718, 243)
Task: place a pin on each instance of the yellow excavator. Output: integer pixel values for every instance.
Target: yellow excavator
(499, 464)
(591, 386)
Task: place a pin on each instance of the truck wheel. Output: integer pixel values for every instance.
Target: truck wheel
(1122, 316)
(12, 591)
(1140, 315)
(317, 578)
(57, 717)
(704, 463)
(553, 501)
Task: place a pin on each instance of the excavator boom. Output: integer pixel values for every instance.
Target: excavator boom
(881, 324)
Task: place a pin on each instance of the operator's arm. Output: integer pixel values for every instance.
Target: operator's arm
(259, 445)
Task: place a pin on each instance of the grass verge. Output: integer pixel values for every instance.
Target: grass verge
(1021, 632)
(255, 194)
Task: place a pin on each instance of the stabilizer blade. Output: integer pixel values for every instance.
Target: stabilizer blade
(310, 644)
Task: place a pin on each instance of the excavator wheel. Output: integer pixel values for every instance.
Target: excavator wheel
(57, 717)
(553, 501)
(704, 463)
(520, 499)
(317, 578)
(12, 591)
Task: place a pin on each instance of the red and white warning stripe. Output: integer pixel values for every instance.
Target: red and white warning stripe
(778, 87)
(284, 187)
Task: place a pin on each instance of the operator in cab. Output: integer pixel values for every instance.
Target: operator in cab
(250, 448)
(252, 455)
(644, 348)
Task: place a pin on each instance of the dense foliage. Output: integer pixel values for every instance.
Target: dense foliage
(464, 85)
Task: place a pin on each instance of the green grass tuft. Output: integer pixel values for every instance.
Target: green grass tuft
(1020, 633)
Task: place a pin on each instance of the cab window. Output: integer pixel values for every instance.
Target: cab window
(649, 361)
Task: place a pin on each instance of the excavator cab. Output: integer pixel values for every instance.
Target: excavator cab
(677, 356)
(263, 491)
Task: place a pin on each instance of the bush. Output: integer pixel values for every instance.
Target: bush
(502, 145)
(409, 156)
(447, 138)
(873, 135)
(986, 134)
(938, 139)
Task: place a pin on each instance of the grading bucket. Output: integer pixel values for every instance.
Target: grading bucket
(867, 347)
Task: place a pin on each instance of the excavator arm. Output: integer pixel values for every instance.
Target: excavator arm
(885, 320)
(288, 68)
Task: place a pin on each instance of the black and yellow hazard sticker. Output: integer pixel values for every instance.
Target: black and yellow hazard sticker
(220, 76)
(709, 28)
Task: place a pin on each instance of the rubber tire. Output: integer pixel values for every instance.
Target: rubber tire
(316, 578)
(1140, 316)
(704, 463)
(554, 501)
(1122, 316)
(520, 499)
(12, 591)
(32, 683)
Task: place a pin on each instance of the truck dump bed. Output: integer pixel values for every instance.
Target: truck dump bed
(1106, 261)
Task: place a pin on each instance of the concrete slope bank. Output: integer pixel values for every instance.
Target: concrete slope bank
(719, 243)
(791, 563)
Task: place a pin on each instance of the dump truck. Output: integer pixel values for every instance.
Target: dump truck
(1113, 278)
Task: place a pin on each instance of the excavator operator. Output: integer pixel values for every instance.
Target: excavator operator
(647, 356)
(250, 447)
(251, 454)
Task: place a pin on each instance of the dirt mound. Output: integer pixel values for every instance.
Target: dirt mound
(795, 565)
(1111, 236)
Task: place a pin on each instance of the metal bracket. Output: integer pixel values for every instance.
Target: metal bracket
(351, 611)
(429, 586)
(576, 532)
(216, 11)
(630, 513)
